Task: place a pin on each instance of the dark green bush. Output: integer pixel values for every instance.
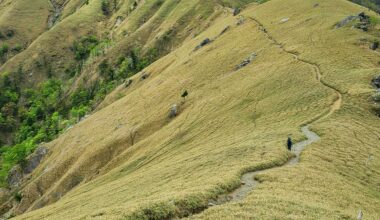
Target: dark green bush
(82, 48)
(106, 7)
(17, 48)
(4, 48)
(18, 197)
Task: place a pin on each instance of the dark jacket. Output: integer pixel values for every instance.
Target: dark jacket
(289, 143)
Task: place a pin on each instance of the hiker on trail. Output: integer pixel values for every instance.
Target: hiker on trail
(289, 143)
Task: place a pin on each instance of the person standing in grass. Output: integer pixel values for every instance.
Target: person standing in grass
(289, 143)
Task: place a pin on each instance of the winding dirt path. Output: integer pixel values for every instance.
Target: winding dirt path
(248, 179)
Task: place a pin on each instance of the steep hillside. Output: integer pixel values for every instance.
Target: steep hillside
(78, 52)
(251, 80)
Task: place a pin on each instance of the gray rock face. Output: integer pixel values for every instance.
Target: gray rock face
(246, 61)
(118, 21)
(236, 11)
(363, 23)
(374, 45)
(224, 30)
(203, 43)
(15, 176)
(145, 76)
(345, 21)
(173, 111)
(376, 82)
(34, 160)
(55, 14)
(127, 83)
(18, 172)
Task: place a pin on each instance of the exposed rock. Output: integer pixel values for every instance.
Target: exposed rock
(18, 172)
(363, 23)
(35, 159)
(173, 111)
(246, 61)
(284, 20)
(55, 14)
(374, 45)
(145, 76)
(203, 43)
(376, 82)
(119, 20)
(363, 17)
(15, 176)
(240, 21)
(360, 215)
(345, 21)
(224, 30)
(236, 11)
(127, 83)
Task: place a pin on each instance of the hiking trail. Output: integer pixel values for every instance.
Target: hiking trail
(248, 179)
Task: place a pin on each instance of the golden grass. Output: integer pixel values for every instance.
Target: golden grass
(232, 122)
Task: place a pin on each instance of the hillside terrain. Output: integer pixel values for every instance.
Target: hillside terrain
(153, 109)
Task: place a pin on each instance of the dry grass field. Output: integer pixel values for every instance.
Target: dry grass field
(232, 122)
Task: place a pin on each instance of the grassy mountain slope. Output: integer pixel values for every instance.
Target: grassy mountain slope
(232, 121)
(83, 74)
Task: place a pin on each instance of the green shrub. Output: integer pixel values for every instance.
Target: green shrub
(18, 197)
(106, 7)
(83, 47)
(106, 70)
(79, 112)
(4, 48)
(17, 48)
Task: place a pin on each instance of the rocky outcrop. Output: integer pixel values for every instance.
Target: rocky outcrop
(35, 159)
(15, 176)
(363, 23)
(127, 83)
(346, 21)
(203, 43)
(18, 172)
(55, 14)
(236, 11)
(374, 45)
(246, 61)
(144, 76)
(173, 111)
(376, 82)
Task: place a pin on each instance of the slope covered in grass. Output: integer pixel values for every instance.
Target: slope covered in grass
(129, 160)
(85, 53)
(231, 122)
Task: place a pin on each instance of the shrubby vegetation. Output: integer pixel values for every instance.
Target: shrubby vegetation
(4, 48)
(83, 47)
(40, 114)
(106, 7)
(35, 120)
